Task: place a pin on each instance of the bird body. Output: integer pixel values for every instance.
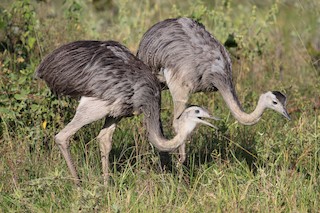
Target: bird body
(185, 56)
(112, 83)
(191, 53)
(188, 59)
(101, 70)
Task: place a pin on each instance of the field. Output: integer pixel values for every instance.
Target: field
(273, 166)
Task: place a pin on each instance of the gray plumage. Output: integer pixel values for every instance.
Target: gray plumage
(193, 59)
(185, 47)
(112, 83)
(185, 56)
(105, 70)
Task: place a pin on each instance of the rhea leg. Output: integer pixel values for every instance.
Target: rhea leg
(179, 107)
(180, 94)
(89, 110)
(105, 142)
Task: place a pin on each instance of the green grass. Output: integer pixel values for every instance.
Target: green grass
(272, 166)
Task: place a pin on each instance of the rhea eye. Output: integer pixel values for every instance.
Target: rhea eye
(197, 111)
(274, 102)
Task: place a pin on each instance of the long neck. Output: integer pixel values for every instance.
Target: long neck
(155, 133)
(233, 103)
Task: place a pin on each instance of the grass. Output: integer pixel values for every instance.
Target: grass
(272, 166)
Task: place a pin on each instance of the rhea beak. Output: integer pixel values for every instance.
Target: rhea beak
(208, 116)
(286, 114)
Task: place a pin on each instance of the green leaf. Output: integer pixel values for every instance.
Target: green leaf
(31, 41)
(20, 96)
(22, 80)
(5, 110)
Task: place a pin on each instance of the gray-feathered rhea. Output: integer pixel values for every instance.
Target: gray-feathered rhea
(188, 59)
(185, 56)
(112, 83)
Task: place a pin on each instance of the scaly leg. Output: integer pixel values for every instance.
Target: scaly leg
(180, 95)
(105, 142)
(89, 110)
(179, 107)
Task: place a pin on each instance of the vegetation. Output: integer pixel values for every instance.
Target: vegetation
(269, 167)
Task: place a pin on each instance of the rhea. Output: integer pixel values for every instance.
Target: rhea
(188, 59)
(112, 83)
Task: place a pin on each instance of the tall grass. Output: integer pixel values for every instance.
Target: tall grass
(272, 166)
